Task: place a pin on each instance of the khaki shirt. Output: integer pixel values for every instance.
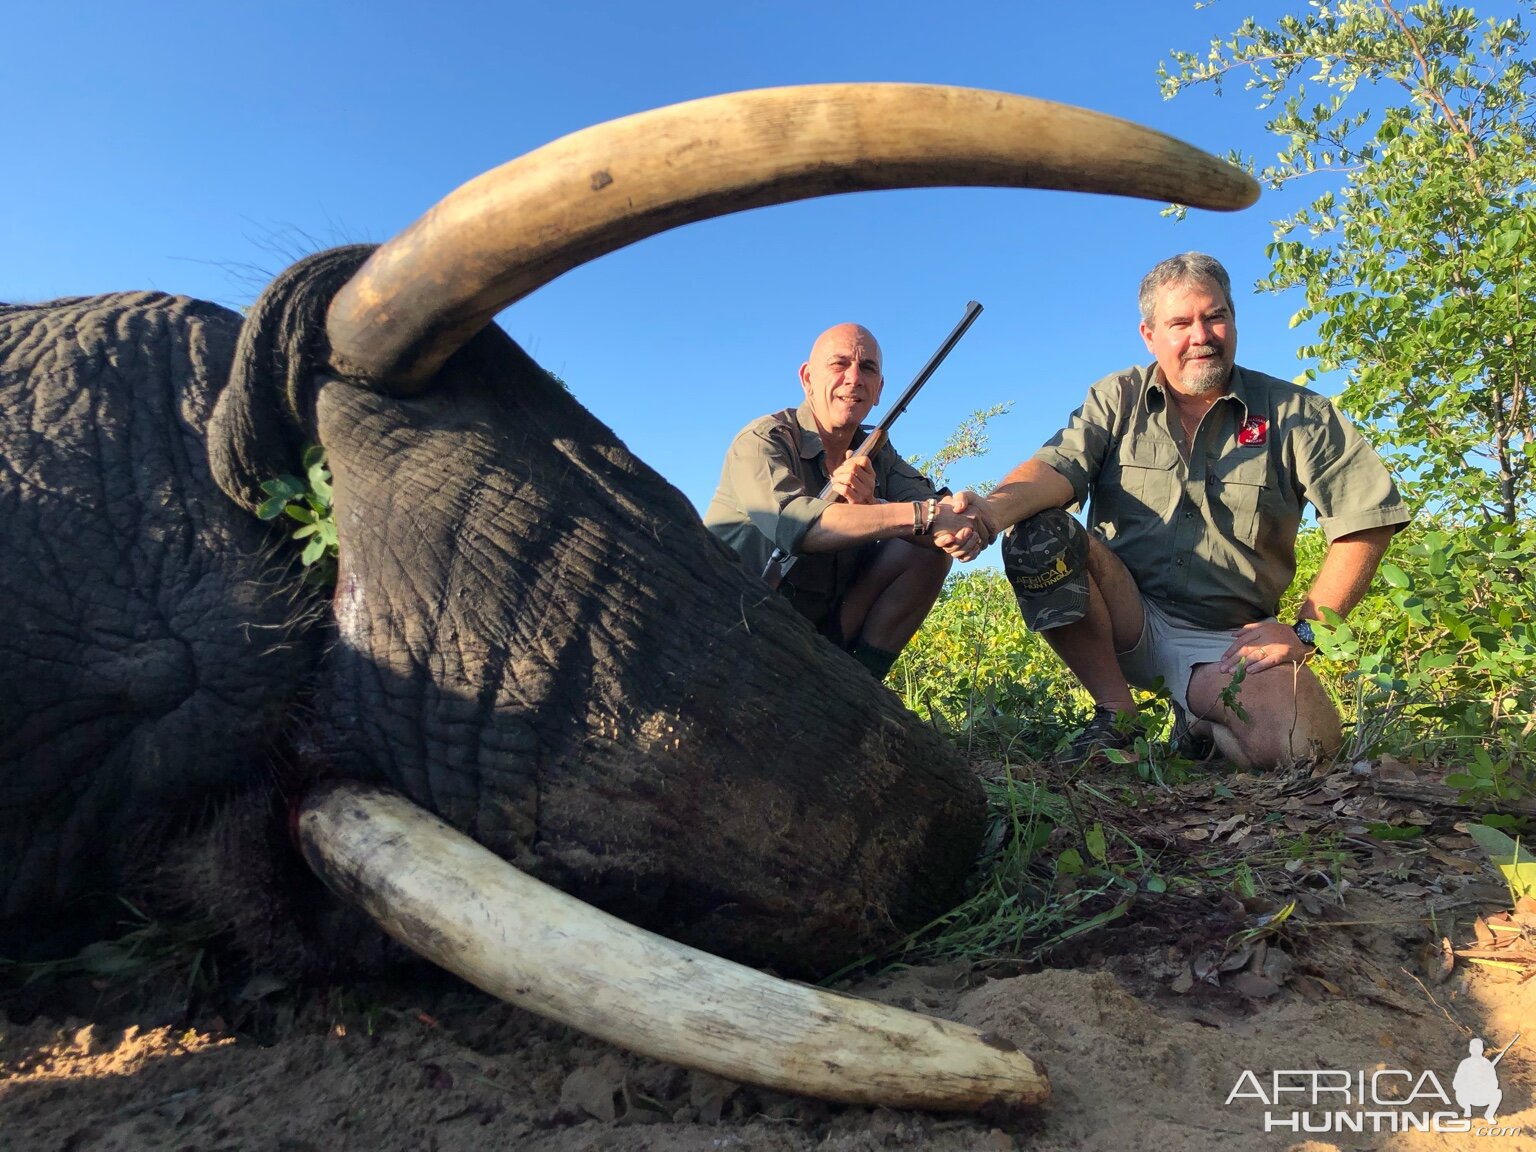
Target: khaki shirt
(769, 497)
(1212, 540)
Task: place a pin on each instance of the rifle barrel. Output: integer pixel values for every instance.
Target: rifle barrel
(972, 310)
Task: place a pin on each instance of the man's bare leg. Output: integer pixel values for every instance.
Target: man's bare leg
(1290, 716)
(1113, 623)
(891, 598)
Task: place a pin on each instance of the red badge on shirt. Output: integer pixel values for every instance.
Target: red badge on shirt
(1255, 430)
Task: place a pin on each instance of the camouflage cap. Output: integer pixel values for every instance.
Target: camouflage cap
(1046, 561)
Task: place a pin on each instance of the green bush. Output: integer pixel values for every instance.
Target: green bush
(974, 670)
(1438, 662)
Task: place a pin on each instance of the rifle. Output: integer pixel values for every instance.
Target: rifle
(1504, 1049)
(781, 562)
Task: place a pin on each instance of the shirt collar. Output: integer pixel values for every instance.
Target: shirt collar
(1237, 390)
(810, 439)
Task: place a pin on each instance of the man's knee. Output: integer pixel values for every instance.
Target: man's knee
(929, 561)
(1046, 561)
(897, 576)
(1289, 715)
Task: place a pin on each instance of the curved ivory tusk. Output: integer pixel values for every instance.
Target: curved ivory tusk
(467, 910)
(517, 227)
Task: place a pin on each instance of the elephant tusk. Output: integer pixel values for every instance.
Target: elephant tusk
(467, 910)
(519, 226)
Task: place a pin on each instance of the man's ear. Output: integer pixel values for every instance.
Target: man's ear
(805, 377)
(1146, 334)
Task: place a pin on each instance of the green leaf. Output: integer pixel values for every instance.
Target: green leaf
(288, 487)
(1394, 831)
(1510, 857)
(1496, 820)
(1244, 881)
(1095, 841)
(1493, 842)
(271, 509)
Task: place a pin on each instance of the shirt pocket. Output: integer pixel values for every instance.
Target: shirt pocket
(1144, 486)
(1237, 483)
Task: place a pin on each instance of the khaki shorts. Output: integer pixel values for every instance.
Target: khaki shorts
(1170, 649)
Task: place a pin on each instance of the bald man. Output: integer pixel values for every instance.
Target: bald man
(870, 561)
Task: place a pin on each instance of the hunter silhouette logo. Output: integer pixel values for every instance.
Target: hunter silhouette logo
(1322, 1100)
(1476, 1083)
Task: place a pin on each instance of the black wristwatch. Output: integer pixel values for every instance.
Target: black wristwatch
(1304, 633)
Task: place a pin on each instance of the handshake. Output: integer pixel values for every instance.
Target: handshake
(963, 525)
(960, 525)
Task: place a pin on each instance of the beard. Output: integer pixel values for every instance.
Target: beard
(1206, 374)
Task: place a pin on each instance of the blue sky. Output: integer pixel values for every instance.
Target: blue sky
(197, 148)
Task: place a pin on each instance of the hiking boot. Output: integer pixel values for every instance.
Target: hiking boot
(1185, 743)
(1107, 731)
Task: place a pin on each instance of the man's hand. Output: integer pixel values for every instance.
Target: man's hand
(964, 526)
(854, 480)
(983, 517)
(1263, 644)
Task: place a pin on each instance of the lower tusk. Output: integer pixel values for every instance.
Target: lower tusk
(469, 911)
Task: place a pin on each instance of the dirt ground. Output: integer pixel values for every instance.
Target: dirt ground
(1164, 1030)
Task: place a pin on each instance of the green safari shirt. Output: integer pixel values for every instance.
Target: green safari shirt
(1212, 539)
(769, 496)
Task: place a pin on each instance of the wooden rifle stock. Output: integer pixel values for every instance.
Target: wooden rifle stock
(781, 562)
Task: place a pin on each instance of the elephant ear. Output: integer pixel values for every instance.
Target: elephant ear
(265, 414)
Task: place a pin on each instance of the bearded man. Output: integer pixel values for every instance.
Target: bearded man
(1195, 472)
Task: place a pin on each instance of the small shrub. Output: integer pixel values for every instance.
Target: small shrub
(1439, 660)
(307, 500)
(977, 673)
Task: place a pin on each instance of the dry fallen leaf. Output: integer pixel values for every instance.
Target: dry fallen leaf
(1439, 961)
(1253, 986)
(709, 1094)
(594, 1089)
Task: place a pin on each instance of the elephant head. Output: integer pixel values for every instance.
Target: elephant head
(533, 638)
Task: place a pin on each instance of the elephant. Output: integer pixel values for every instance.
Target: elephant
(533, 650)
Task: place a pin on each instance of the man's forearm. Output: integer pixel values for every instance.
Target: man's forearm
(1346, 573)
(1030, 488)
(844, 526)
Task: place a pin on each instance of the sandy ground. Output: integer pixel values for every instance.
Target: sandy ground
(1145, 1043)
(374, 1068)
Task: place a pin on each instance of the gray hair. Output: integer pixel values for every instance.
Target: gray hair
(1184, 268)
